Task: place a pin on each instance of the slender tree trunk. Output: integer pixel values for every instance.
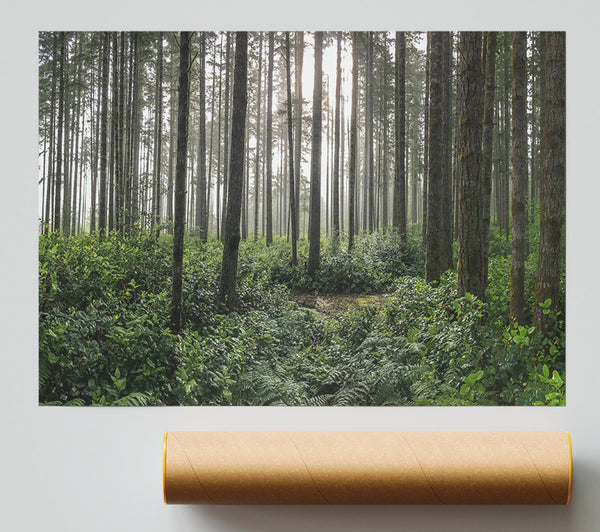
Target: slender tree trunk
(135, 136)
(257, 158)
(487, 144)
(59, 141)
(226, 138)
(221, 171)
(447, 211)
(212, 141)
(399, 211)
(76, 153)
(67, 142)
(120, 153)
(103, 139)
(299, 62)
(383, 136)
(336, 149)
(227, 291)
(172, 143)
(96, 150)
(519, 178)
(352, 170)
(157, 150)
(269, 235)
(290, 123)
(369, 134)
(470, 249)
(114, 110)
(314, 236)
(552, 177)
(426, 139)
(180, 181)
(201, 163)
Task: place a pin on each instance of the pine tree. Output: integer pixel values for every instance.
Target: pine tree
(552, 176)
(231, 229)
(180, 178)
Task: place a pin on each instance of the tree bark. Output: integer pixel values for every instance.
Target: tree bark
(552, 177)
(336, 149)
(227, 290)
(299, 62)
(353, 143)
(103, 139)
(180, 178)
(399, 210)
(257, 158)
(226, 139)
(434, 262)
(157, 150)
(314, 237)
(487, 144)
(269, 187)
(293, 217)
(201, 206)
(519, 178)
(470, 249)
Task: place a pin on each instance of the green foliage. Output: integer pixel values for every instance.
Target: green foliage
(104, 337)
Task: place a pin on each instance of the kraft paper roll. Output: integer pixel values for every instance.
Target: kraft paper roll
(367, 467)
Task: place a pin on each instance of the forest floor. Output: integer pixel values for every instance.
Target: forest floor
(334, 305)
(367, 329)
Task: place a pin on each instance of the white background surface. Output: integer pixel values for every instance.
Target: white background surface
(88, 469)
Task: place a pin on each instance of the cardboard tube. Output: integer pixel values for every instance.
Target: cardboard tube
(367, 467)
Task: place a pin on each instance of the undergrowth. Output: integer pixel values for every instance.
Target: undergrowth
(104, 337)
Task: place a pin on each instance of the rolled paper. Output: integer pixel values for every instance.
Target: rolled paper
(367, 467)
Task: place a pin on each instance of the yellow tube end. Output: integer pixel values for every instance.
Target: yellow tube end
(570, 467)
(164, 467)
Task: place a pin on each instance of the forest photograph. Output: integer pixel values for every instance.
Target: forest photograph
(302, 218)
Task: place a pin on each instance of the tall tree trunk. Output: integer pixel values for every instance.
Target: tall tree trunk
(226, 139)
(157, 150)
(120, 153)
(114, 134)
(290, 123)
(257, 158)
(135, 134)
(470, 249)
(212, 139)
(487, 144)
(352, 170)
(299, 63)
(95, 151)
(426, 139)
(519, 178)
(172, 142)
(447, 211)
(103, 138)
(269, 187)
(227, 291)
(59, 141)
(369, 133)
(221, 170)
(180, 173)
(399, 211)
(314, 237)
(552, 177)
(336, 149)
(434, 263)
(51, 155)
(76, 153)
(67, 142)
(201, 218)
